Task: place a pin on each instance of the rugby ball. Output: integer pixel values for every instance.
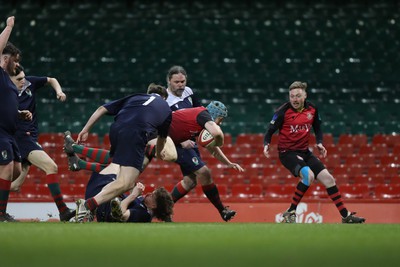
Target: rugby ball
(205, 139)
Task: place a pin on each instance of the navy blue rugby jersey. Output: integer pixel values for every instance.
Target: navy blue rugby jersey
(27, 101)
(149, 111)
(8, 104)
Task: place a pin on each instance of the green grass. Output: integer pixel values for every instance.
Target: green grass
(198, 244)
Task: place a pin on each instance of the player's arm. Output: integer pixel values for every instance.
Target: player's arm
(169, 150)
(83, 135)
(219, 154)
(136, 191)
(216, 132)
(162, 137)
(274, 125)
(318, 134)
(5, 34)
(57, 88)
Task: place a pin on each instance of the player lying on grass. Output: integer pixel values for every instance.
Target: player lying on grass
(133, 207)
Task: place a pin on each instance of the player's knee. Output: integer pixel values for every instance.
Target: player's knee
(307, 176)
(189, 184)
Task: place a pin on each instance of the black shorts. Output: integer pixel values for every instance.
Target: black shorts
(295, 160)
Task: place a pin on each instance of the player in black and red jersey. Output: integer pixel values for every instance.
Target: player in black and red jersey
(294, 120)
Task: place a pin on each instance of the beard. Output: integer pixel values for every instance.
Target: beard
(10, 68)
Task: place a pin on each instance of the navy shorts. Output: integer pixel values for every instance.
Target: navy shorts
(189, 160)
(128, 146)
(295, 160)
(8, 150)
(26, 145)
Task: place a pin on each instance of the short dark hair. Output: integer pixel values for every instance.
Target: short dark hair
(11, 50)
(157, 89)
(175, 70)
(18, 70)
(165, 204)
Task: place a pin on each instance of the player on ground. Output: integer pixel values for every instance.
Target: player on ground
(294, 120)
(133, 207)
(27, 137)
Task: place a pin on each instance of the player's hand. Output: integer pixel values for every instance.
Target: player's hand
(82, 136)
(10, 21)
(266, 151)
(25, 115)
(322, 150)
(236, 167)
(61, 96)
(138, 189)
(188, 144)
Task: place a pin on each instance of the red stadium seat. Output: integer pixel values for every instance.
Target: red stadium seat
(327, 139)
(377, 150)
(347, 170)
(388, 139)
(280, 191)
(387, 191)
(252, 139)
(385, 170)
(227, 139)
(371, 181)
(316, 191)
(356, 140)
(361, 160)
(355, 191)
(390, 160)
(331, 161)
(246, 191)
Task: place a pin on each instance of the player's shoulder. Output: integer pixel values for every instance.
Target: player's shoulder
(311, 105)
(283, 108)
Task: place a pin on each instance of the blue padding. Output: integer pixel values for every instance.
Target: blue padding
(305, 171)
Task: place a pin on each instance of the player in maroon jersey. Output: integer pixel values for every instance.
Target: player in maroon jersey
(186, 125)
(294, 120)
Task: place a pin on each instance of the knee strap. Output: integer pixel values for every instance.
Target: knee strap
(305, 171)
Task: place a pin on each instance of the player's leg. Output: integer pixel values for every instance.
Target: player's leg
(210, 189)
(10, 168)
(189, 161)
(334, 193)
(75, 163)
(17, 183)
(6, 170)
(295, 163)
(42, 160)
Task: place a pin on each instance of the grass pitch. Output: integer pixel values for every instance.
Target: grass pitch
(198, 244)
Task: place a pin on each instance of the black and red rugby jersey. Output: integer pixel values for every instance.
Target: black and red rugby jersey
(294, 127)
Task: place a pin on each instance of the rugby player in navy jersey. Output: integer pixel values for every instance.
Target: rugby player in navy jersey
(136, 117)
(294, 120)
(133, 207)
(10, 158)
(27, 137)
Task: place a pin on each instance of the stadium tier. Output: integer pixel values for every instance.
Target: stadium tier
(243, 53)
